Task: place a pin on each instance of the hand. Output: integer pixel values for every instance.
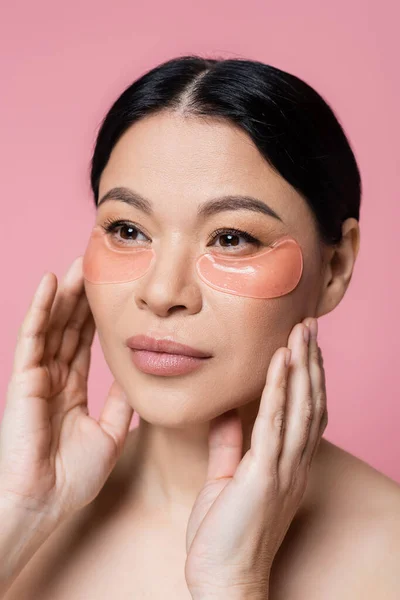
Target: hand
(245, 508)
(54, 457)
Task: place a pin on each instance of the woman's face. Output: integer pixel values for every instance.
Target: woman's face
(177, 163)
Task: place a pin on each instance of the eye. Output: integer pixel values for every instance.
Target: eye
(231, 235)
(111, 226)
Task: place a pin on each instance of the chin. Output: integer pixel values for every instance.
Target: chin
(175, 408)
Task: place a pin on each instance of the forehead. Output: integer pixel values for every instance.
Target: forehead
(178, 161)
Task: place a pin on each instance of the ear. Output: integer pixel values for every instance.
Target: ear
(338, 267)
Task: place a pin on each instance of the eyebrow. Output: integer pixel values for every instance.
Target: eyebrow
(205, 209)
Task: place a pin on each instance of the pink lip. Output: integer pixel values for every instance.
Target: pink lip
(160, 363)
(144, 342)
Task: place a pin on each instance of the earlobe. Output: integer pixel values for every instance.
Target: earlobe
(331, 296)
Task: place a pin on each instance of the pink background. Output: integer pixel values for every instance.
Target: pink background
(63, 64)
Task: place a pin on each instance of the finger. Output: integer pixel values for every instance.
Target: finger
(299, 406)
(72, 331)
(78, 373)
(225, 443)
(32, 332)
(269, 426)
(67, 297)
(324, 420)
(81, 361)
(319, 398)
(116, 416)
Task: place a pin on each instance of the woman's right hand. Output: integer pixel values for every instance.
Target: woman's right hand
(54, 457)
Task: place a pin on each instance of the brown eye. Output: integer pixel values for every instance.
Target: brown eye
(129, 229)
(128, 233)
(230, 238)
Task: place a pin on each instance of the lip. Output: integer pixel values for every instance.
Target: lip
(145, 342)
(160, 363)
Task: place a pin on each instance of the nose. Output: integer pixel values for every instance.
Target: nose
(171, 283)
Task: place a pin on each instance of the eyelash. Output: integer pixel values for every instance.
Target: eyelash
(110, 225)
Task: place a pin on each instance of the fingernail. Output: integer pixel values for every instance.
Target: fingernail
(306, 333)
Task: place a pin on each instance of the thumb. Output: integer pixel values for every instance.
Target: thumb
(116, 415)
(225, 442)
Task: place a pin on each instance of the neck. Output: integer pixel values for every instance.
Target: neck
(168, 467)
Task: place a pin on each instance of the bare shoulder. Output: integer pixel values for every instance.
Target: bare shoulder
(368, 504)
(358, 485)
(345, 542)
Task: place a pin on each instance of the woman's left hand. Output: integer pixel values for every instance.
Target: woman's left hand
(245, 508)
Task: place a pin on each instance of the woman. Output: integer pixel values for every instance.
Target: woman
(227, 206)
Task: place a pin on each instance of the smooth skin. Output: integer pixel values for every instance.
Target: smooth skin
(135, 500)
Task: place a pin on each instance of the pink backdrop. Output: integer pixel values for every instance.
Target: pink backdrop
(62, 65)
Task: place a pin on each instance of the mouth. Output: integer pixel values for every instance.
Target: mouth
(164, 357)
(165, 364)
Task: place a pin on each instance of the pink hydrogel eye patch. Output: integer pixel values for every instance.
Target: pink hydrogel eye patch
(105, 263)
(269, 274)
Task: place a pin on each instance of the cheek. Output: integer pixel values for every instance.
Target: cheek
(247, 335)
(261, 326)
(105, 303)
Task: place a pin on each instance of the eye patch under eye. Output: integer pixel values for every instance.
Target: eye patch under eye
(274, 272)
(103, 263)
